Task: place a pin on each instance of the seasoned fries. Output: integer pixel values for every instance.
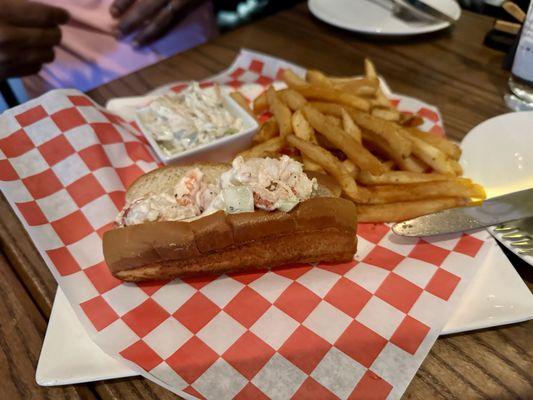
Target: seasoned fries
(399, 177)
(350, 128)
(323, 93)
(387, 114)
(262, 149)
(396, 212)
(330, 163)
(351, 168)
(347, 128)
(425, 190)
(302, 128)
(260, 103)
(305, 131)
(361, 87)
(292, 99)
(317, 77)
(449, 148)
(267, 131)
(340, 139)
(241, 100)
(292, 80)
(281, 112)
(432, 156)
(388, 131)
(336, 122)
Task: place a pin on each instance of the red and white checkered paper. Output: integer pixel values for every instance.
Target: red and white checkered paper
(356, 330)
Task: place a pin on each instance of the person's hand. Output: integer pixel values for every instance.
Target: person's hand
(150, 18)
(28, 33)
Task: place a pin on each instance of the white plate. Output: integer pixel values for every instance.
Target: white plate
(375, 17)
(497, 296)
(498, 153)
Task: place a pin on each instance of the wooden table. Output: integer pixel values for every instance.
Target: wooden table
(451, 70)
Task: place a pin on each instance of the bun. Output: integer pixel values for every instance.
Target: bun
(319, 229)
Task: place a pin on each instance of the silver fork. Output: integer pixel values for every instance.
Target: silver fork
(519, 234)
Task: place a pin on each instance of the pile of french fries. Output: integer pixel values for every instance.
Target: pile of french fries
(348, 128)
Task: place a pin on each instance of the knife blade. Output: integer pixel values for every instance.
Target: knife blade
(497, 210)
(423, 9)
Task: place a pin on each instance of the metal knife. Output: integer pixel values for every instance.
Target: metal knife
(424, 10)
(497, 210)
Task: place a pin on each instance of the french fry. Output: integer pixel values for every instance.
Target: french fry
(387, 114)
(412, 164)
(410, 120)
(301, 127)
(281, 112)
(310, 165)
(399, 177)
(292, 99)
(243, 102)
(363, 91)
(332, 120)
(356, 81)
(292, 80)
(370, 69)
(267, 131)
(371, 74)
(323, 93)
(328, 108)
(304, 131)
(401, 211)
(389, 164)
(350, 128)
(260, 103)
(457, 169)
(431, 155)
(354, 150)
(389, 131)
(381, 100)
(331, 164)
(264, 149)
(379, 145)
(351, 168)
(446, 146)
(317, 78)
(458, 187)
(359, 86)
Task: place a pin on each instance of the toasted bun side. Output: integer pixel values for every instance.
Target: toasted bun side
(164, 179)
(329, 245)
(199, 245)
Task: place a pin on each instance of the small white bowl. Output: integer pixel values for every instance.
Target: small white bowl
(222, 149)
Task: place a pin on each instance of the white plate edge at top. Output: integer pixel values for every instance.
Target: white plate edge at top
(318, 12)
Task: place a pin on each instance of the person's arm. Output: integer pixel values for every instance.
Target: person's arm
(28, 33)
(149, 18)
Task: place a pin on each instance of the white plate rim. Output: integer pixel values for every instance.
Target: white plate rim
(312, 5)
(468, 137)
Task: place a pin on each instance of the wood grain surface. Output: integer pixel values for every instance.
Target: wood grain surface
(451, 70)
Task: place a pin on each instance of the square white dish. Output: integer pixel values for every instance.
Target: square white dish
(497, 296)
(219, 150)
